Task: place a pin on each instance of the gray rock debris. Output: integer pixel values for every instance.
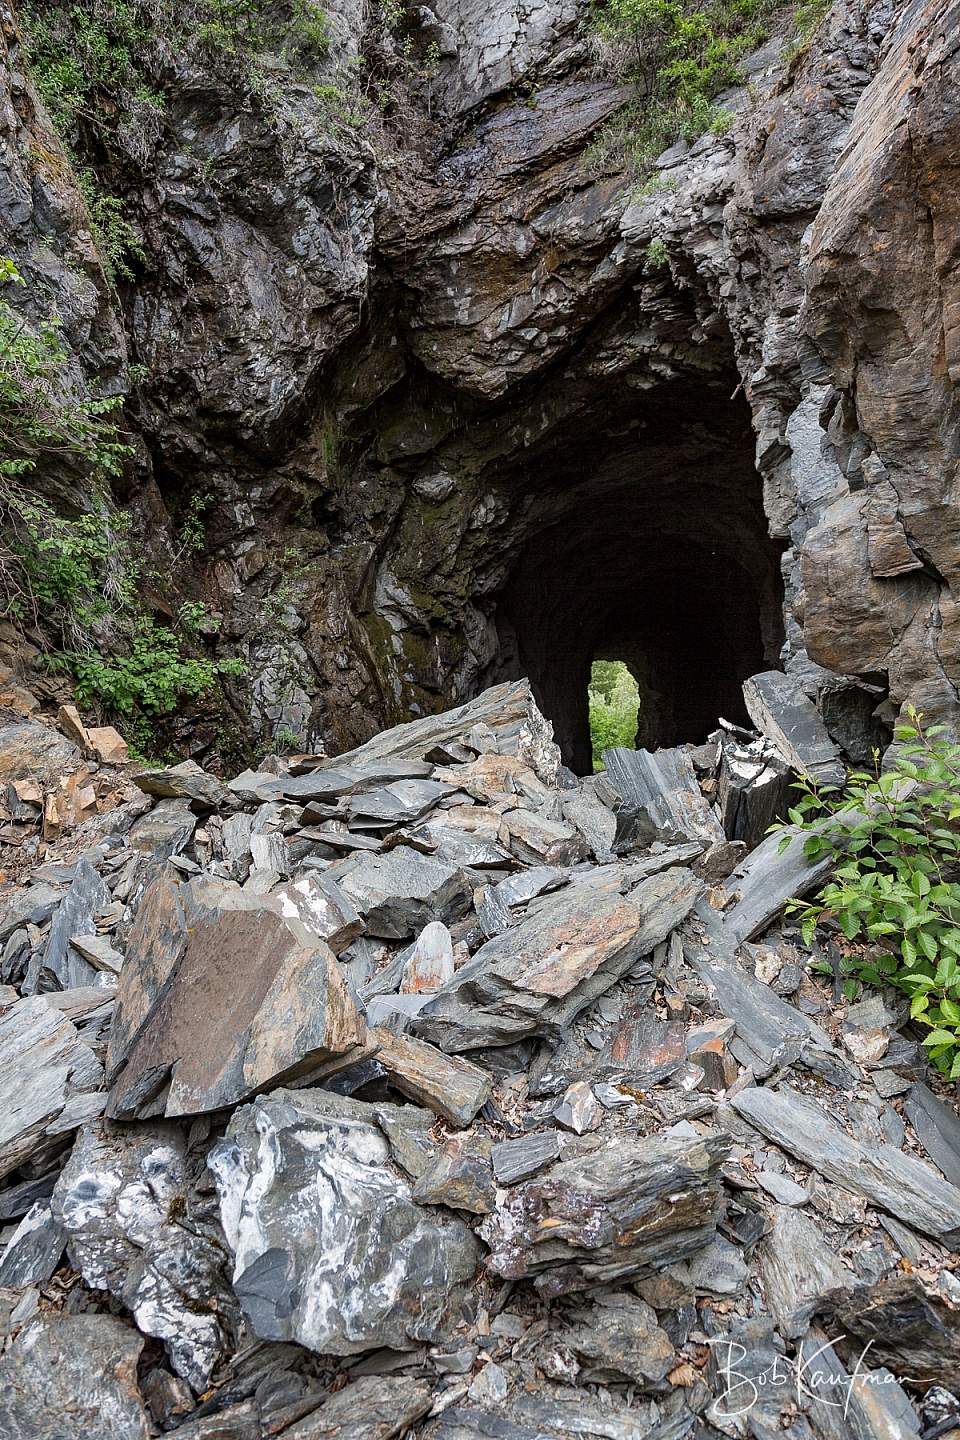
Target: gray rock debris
(655, 796)
(767, 879)
(402, 891)
(399, 803)
(446, 1084)
(73, 1377)
(797, 1265)
(900, 1184)
(624, 1210)
(903, 1322)
(869, 1405)
(460, 1176)
(187, 781)
(507, 713)
(49, 1082)
(322, 907)
(60, 966)
(791, 722)
(429, 964)
(28, 907)
(330, 1249)
(34, 1249)
(132, 1228)
(618, 1338)
(938, 1129)
(375, 1407)
(537, 976)
(515, 1160)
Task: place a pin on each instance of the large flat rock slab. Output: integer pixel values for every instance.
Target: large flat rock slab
(538, 975)
(902, 1185)
(329, 1248)
(791, 722)
(220, 996)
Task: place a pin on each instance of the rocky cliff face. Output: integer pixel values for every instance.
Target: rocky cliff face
(457, 426)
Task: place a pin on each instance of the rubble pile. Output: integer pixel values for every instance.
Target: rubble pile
(431, 1090)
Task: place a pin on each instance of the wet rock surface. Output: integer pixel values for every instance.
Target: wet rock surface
(597, 1173)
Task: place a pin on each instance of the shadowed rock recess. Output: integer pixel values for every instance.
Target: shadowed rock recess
(455, 421)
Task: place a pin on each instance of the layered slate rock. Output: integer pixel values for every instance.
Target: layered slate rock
(656, 797)
(34, 1250)
(330, 1249)
(904, 1324)
(322, 908)
(221, 995)
(797, 1266)
(619, 1337)
(187, 781)
(50, 1082)
(375, 1407)
(73, 1377)
(61, 966)
(124, 1204)
(791, 722)
(767, 879)
(624, 1210)
(447, 1084)
(507, 715)
(402, 891)
(900, 1184)
(538, 975)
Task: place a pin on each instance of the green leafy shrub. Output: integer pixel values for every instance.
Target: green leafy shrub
(152, 676)
(680, 55)
(614, 705)
(657, 256)
(41, 417)
(895, 891)
(75, 580)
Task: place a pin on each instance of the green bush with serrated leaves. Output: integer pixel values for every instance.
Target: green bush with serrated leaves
(895, 891)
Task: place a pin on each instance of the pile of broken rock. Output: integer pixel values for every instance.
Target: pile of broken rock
(430, 1090)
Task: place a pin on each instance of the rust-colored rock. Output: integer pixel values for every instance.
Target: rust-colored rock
(221, 996)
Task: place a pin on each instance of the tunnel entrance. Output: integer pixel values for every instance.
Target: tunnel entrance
(649, 545)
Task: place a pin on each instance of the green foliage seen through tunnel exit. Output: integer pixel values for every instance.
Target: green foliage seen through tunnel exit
(614, 708)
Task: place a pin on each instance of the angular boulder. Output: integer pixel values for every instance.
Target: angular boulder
(124, 1204)
(400, 892)
(329, 1248)
(221, 995)
(537, 976)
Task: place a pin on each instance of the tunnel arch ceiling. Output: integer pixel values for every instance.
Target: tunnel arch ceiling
(644, 539)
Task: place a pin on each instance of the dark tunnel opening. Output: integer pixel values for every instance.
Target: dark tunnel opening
(657, 555)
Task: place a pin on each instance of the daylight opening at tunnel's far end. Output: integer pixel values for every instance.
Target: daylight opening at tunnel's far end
(613, 697)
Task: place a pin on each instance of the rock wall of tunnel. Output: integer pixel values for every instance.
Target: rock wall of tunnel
(450, 421)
